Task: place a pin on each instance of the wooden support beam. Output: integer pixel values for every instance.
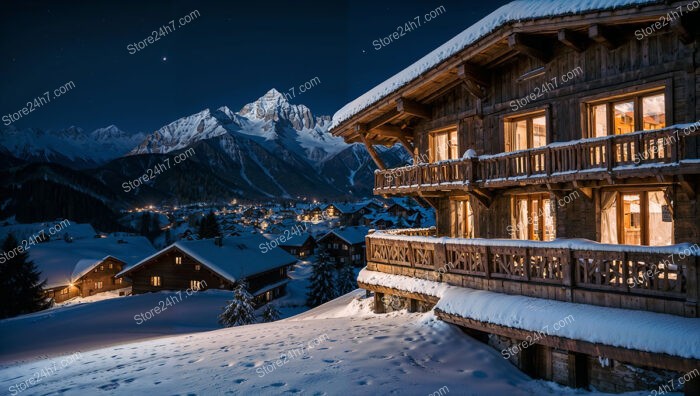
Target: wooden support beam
(385, 118)
(572, 40)
(392, 131)
(373, 153)
(475, 79)
(529, 47)
(431, 201)
(679, 26)
(587, 192)
(482, 195)
(408, 106)
(604, 35)
(687, 188)
(408, 146)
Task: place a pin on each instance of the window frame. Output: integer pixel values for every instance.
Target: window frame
(432, 151)
(526, 116)
(643, 193)
(635, 94)
(540, 217)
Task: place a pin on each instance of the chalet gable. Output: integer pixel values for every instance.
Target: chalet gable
(540, 31)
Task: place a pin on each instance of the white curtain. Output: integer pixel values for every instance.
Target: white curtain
(608, 218)
(660, 231)
(521, 221)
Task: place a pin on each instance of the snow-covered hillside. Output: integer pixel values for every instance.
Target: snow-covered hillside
(339, 348)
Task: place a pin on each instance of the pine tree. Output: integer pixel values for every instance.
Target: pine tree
(209, 227)
(270, 313)
(321, 288)
(20, 286)
(346, 280)
(145, 224)
(240, 310)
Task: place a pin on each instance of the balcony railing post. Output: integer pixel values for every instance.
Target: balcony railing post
(675, 147)
(568, 274)
(692, 307)
(440, 255)
(609, 155)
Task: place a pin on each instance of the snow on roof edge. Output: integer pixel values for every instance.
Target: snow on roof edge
(529, 10)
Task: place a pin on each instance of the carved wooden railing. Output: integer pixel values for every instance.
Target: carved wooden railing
(620, 153)
(666, 278)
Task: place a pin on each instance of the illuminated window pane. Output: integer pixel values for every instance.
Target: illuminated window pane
(632, 226)
(653, 112)
(539, 132)
(599, 120)
(445, 145)
(623, 117)
(660, 220)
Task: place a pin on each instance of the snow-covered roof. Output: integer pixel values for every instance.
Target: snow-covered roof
(84, 266)
(293, 240)
(515, 11)
(25, 231)
(62, 263)
(351, 235)
(238, 257)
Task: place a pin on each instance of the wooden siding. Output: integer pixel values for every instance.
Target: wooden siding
(178, 276)
(85, 286)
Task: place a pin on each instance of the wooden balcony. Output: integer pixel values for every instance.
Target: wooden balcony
(639, 154)
(651, 278)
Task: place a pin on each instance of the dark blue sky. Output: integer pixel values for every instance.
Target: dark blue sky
(230, 55)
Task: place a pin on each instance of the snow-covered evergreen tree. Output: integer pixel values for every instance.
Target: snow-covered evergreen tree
(321, 287)
(270, 313)
(240, 310)
(346, 280)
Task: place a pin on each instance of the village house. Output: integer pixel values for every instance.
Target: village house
(217, 263)
(563, 168)
(85, 267)
(345, 245)
(301, 246)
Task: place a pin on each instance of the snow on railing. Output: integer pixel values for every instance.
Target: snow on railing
(627, 152)
(657, 272)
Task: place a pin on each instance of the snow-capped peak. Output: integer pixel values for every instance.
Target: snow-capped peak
(273, 106)
(109, 132)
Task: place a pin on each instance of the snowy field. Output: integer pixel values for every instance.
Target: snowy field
(340, 348)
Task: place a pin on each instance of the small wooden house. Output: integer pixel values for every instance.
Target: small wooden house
(85, 267)
(217, 263)
(300, 247)
(345, 245)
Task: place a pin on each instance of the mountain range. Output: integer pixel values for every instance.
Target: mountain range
(268, 149)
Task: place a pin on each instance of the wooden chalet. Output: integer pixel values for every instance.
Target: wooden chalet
(85, 267)
(299, 247)
(564, 165)
(217, 263)
(345, 245)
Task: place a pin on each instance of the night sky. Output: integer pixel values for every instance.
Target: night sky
(231, 54)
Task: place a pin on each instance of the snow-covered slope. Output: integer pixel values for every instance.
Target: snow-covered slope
(339, 348)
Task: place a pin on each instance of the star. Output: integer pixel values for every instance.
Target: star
(165, 58)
